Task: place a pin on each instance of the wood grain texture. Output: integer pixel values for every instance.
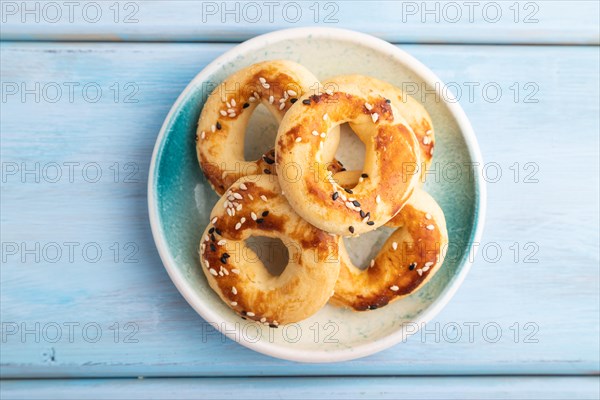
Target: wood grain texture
(308, 388)
(504, 21)
(554, 301)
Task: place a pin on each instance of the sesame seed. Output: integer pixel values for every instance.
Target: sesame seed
(321, 145)
(229, 212)
(363, 214)
(364, 175)
(323, 135)
(267, 171)
(253, 216)
(268, 160)
(368, 106)
(349, 191)
(256, 95)
(282, 106)
(394, 288)
(429, 132)
(351, 229)
(298, 139)
(431, 151)
(425, 269)
(265, 213)
(428, 264)
(251, 100)
(263, 197)
(395, 246)
(225, 271)
(426, 140)
(349, 205)
(378, 199)
(213, 128)
(263, 319)
(420, 272)
(356, 203)
(245, 105)
(238, 207)
(203, 135)
(237, 196)
(293, 100)
(213, 220)
(260, 220)
(412, 266)
(306, 101)
(220, 273)
(266, 85)
(213, 272)
(233, 103)
(233, 290)
(222, 242)
(315, 133)
(235, 271)
(251, 197)
(370, 223)
(271, 99)
(428, 216)
(335, 196)
(218, 125)
(230, 110)
(292, 92)
(325, 117)
(262, 80)
(388, 101)
(430, 227)
(228, 104)
(374, 117)
(250, 314)
(283, 99)
(243, 186)
(242, 220)
(372, 262)
(234, 303)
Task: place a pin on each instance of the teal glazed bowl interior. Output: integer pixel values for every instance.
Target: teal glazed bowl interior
(180, 199)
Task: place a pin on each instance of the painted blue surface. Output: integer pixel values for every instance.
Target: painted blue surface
(545, 297)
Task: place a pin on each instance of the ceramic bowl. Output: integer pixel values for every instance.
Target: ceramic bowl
(180, 199)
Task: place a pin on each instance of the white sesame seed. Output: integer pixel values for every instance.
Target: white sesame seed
(238, 226)
(233, 103)
(225, 271)
(252, 99)
(262, 80)
(253, 216)
(394, 288)
(321, 145)
(243, 219)
(428, 264)
(361, 179)
(429, 132)
(372, 262)
(243, 186)
(428, 216)
(251, 197)
(285, 96)
(234, 303)
(233, 290)
(365, 219)
(292, 92)
(298, 139)
(426, 140)
(325, 117)
(430, 227)
(349, 205)
(256, 95)
(250, 314)
(420, 272)
(223, 113)
(203, 135)
(206, 261)
(238, 196)
(431, 151)
(235, 271)
(315, 133)
(230, 212)
(263, 319)
(228, 104)
(378, 199)
(220, 273)
(230, 197)
(230, 110)
(323, 135)
(271, 99)
(263, 197)
(213, 128)
(206, 238)
(282, 106)
(213, 272)
(368, 106)
(283, 99)
(213, 220)
(425, 269)
(395, 246)
(266, 85)
(374, 117)
(221, 242)
(238, 207)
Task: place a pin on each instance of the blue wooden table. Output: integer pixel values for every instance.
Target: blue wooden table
(86, 301)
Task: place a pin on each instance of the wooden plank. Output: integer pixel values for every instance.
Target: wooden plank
(547, 310)
(493, 22)
(308, 388)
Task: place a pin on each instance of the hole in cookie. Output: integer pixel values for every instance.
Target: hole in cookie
(351, 151)
(271, 252)
(364, 248)
(260, 133)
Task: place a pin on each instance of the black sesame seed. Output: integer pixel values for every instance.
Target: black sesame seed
(341, 165)
(356, 203)
(213, 247)
(412, 266)
(351, 229)
(243, 318)
(306, 101)
(219, 125)
(370, 223)
(388, 101)
(243, 312)
(246, 105)
(267, 171)
(363, 214)
(335, 196)
(226, 255)
(343, 169)
(218, 231)
(268, 160)
(223, 260)
(273, 326)
(364, 175)
(212, 237)
(367, 215)
(265, 213)
(293, 100)
(211, 230)
(349, 191)
(260, 220)
(372, 307)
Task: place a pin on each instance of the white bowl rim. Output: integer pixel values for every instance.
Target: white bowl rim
(362, 350)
